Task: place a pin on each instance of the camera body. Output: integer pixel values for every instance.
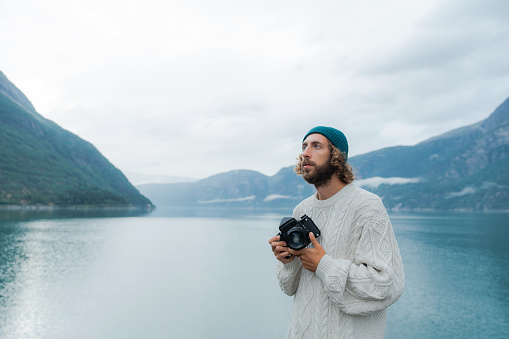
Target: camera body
(296, 232)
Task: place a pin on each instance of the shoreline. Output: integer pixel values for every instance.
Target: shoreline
(74, 208)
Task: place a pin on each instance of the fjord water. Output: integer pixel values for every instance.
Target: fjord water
(168, 275)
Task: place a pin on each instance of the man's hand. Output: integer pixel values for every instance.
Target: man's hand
(280, 250)
(310, 257)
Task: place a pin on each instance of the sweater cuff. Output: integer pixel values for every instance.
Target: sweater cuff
(292, 265)
(332, 267)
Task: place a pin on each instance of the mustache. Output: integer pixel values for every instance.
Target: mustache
(307, 162)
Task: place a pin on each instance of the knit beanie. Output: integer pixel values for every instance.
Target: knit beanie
(336, 137)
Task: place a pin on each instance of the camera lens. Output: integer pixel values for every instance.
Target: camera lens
(296, 240)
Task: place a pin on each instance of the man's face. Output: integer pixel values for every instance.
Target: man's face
(316, 166)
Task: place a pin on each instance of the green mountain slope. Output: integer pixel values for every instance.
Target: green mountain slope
(43, 164)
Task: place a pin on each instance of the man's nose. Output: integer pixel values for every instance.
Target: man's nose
(307, 152)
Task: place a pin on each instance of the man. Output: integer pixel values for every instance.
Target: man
(344, 281)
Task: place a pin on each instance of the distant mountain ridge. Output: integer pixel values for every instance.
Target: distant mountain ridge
(43, 164)
(463, 169)
(471, 147)
(238, 188)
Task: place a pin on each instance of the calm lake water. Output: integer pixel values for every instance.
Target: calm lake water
(167, 275)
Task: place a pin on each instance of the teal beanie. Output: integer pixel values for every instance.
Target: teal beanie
(336, 137)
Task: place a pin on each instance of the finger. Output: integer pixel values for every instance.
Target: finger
(284, 255)
(295, 252)
(313, 239)
(277, 243)
(281, 254)
(274, 238)
(281, 248)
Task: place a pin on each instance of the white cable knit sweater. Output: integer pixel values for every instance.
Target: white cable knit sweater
(359, 277)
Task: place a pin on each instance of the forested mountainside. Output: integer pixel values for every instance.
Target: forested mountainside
(43, 164)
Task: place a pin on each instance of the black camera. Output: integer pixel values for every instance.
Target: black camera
(296, 233)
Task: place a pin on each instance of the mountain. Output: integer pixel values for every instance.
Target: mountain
(464, 169)
(238, 188)
(43, 164)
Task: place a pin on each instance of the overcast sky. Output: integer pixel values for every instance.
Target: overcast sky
(194, 88)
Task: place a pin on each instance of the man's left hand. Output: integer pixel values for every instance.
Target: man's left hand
(310, 257)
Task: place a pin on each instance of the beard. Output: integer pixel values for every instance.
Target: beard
(321, 175)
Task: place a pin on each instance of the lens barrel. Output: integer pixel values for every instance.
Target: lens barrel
(296, 238)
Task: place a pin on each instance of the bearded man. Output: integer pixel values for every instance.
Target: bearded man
(345, 280)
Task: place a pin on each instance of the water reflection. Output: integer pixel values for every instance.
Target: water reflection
(66, 213)
(12, 254)
(39, 259)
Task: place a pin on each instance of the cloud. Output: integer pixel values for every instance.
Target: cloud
(487, 185)
(196, 88)
(464, 191)
(277, 196)
(377, 181)
(455, 34)
(251, 197)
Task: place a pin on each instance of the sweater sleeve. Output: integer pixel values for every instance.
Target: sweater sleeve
(289, 276)
(374, 280)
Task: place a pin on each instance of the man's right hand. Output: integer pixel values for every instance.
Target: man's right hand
(280, 250)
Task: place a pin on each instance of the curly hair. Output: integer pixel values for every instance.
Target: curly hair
(337, 159)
